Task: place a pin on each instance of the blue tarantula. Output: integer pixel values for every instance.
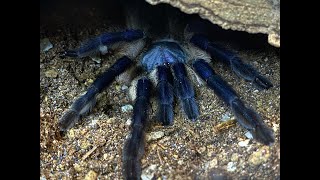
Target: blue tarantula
(165, 62)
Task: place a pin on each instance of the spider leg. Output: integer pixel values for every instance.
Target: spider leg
(134, 146)
(165, 95)
(246, 117)
(243, 70)
(184, 91)
(85, 103)
(101, 43)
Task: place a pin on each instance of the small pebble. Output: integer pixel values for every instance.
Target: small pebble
(248, 135)
(260, 156)
(226, 117)
(93, 122)
(96, 59)
(77, 167)
(124, 87)
(128, 122)
(105, 156)
(213, 163)
(51, 73)
(148, 173)
(244, 143)
(234, 157)
(155, 135)
(127, 108)
(45, 45)
(231, 166)
(71, 134)
(91, 175)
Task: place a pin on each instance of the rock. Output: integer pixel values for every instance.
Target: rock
(226, 117)
(213, 163)
(248, 135)
(51, 73)
(45, 44)
(234, 157)
(77, 167)
(71, 134)
(96, 58)
(127, 108)
(91, 175)
(128, 122)
(259, 16)
(244, 143)
(231, 166)
(260, 156)
(155, 135)
(124, 87)
(148, 173)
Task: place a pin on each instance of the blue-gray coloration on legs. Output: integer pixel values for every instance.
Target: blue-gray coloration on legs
(165, 61)
(134, 146)
(165, 95)
(93, 45)
(184, 91)
(246, 117)
(85, 103)
(161, 53)
(228, 57)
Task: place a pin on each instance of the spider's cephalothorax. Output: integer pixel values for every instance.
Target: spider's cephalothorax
(165, 65)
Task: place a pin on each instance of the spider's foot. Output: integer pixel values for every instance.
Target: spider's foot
(263, 134)
(262, 82)
(249, 73)
(251, 121)
(68, 120)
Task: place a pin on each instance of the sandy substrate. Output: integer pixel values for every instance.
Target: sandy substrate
(186, 150)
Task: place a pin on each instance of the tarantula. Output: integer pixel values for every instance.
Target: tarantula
(164, 62)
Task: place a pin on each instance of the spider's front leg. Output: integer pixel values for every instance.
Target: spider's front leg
(246, 117)
(228, 57)
(134, 146)
(83, 105)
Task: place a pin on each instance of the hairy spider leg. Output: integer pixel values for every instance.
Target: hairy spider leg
(246, 117)
(134, 146)
(169, 52)
(85, 103)
(165, 95)
(184, 91)
(98, 43)
(228, 57)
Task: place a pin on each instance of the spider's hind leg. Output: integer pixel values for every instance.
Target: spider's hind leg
(228, 57)
(246, 117)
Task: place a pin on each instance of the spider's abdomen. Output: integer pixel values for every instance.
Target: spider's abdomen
(163, 53)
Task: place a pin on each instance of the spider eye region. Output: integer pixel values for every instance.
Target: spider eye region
(163, 53)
